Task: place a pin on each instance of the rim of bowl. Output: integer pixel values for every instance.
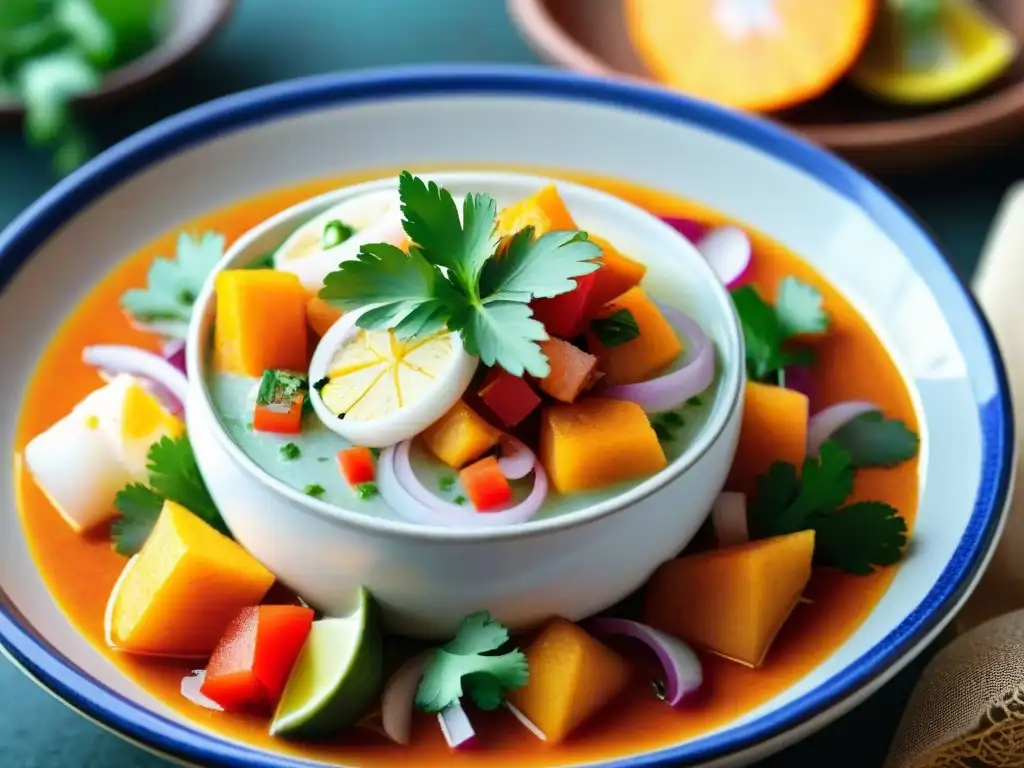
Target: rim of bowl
(728, 398)
(187, 741)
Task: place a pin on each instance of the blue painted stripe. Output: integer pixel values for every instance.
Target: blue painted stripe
(988, 377)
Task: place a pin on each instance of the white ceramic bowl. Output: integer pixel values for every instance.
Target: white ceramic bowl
(427, 578)
(851, 231)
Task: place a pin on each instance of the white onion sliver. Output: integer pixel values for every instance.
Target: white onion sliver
(397, 700)
(683, 672)
(673, 389)
(190, 689)
(118, 358)
(729, 518)
(727, 251)
(516, 459)
(455, 726)
(405, 494)
(527, 722)
(828, 420)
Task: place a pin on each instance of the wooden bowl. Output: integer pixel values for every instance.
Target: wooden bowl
(191, 24)
(590, 36)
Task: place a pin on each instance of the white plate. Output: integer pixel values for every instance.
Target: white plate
(848, 228)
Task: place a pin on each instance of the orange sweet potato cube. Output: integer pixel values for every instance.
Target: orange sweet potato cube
(618, 273)
(460, 436)
(774, 428)
(572, 370)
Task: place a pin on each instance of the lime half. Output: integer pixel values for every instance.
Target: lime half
(336, 678)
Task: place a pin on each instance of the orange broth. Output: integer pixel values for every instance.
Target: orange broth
(80, 572)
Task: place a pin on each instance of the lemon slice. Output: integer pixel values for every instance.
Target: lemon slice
(380, 390)
(961, 51)
(374, 217)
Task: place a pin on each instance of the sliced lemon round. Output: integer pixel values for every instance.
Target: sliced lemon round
(376, 390)
(317, 247)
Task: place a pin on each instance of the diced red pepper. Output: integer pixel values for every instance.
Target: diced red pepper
(486, 485)
(251, 663)
(356, 465)
(282, 419)
(565, 316)
(508, 397)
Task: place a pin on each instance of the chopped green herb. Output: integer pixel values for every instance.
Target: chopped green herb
(446, 482)
(279, 387)
(366, 491)
(854, 538)
(450, 277)
(165, 305)
(174, 475)
(335, 233)
(616, 329)
(470, 661)
(290, 451)
(248, 426)
(375, 452)
(315, 490)
(695, 401)
(875, 441)
(667, 425)
(459, 500)
(323, 459)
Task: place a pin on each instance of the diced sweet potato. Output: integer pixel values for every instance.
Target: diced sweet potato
(460, 436)
(320, 315)
(183, 589)
(508, 397)
(572, 676)
(645, 356)
(597, 442)
(566, 315)
(617, 275)
(545, 212)
(261, 322)
(732, 601)
(774, 429)
(572, 370)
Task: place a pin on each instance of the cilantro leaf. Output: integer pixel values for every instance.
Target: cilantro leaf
(859, 536)
(504, 333)
(139, 507)
(87, 28)
(165, 305)
(875, 441)
(800, 308)
(762, 332)
(541, 268)
(462, 660)
(174, 474)
(776, 491)
(825, 483)
(618, 328)
(280, 387)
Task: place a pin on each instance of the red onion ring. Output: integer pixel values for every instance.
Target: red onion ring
(728, 252)
(729, 518)
(171, 384)
(688, 228)
(406, 495)
(455, 726)
(670, 391)
(826, 421)
(174, 353)
(683, 673)
(516, 459)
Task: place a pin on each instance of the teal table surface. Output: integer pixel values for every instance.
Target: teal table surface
(270, 40)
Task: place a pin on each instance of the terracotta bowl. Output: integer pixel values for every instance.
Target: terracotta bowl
(590, 36)
(191, 24)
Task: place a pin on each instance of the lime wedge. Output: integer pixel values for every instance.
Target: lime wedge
(336, 678)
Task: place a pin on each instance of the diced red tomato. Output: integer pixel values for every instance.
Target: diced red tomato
(356, 465)
(281, 419)
(250, 665)
(508, 397)
(565, 316)
(486, 485)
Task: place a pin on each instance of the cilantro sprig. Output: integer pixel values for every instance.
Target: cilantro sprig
(873, 440)
(768, 331)
(469, 662)
(173, 474)
(164, 306)
(853, 537)
(454, 276)
(618, 328)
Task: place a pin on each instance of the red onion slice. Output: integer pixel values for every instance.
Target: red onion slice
(729, 518)
(174, 353)
(455, 726)
(683, 673)
(406, 495)
(798, 378)
(688, 228)
(727, 250)
(527, 722)
(396, 702)
(672, 390)
(826, 421)
(118, 358)
(516, 459)
(190, 689)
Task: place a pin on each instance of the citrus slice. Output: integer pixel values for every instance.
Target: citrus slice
(337, 676)
(376, 390)
(959, 51)
(317, 247)
(757, 55)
